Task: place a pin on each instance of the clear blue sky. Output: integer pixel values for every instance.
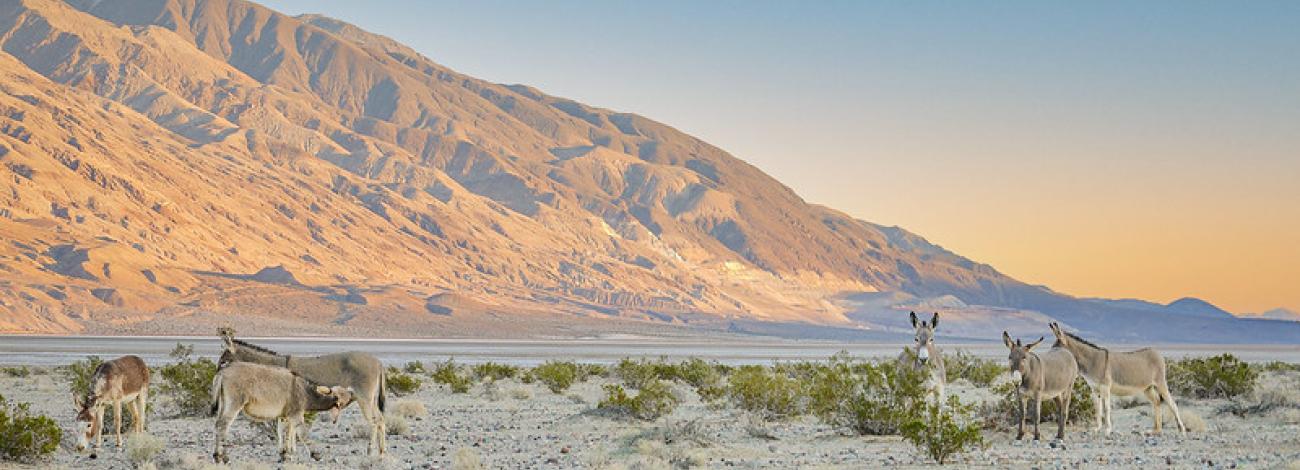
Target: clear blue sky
(1147, 149)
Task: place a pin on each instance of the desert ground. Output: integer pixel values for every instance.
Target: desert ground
(509, 424)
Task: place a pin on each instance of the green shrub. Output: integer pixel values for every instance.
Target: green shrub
(189, 381)
(940, 433)
(79, 374)
(1005, 413)
(650, 403)
(449, 373)
(401, 383)
(866, 398)
(963, 365)
(639, 373)
(1278, 366)
(495, 371)
(704, 377)
(558, 376)
(19, 372)
(1222, 376)
(24, 436)
(769, 393)
(414, 367)
(587, 371)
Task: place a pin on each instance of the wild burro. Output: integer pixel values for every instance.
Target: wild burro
(1121, 373)
(1049, 375)
(271, 393)
(356, 370)
(125, 379)
(926, 357)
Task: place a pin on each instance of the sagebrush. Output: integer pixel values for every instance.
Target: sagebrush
(188, 381)
(943, 432)
(1222, 376)
(26, 436)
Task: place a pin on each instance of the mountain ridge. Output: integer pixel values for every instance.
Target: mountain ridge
(382, 181)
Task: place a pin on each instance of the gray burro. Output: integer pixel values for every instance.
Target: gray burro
(270, 393)
(1121, 373)
(1049, 375)
(360, 371)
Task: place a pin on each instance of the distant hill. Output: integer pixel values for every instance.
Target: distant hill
(168, 165)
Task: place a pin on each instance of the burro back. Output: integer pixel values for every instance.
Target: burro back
(1124, 373)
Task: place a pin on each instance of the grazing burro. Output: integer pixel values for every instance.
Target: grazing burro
(1121, 373)
(926, 357)
(125, 379)
(1049, 375)
(359, 371)
(265, 393)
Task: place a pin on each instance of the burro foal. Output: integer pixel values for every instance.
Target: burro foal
(1121, 373)
(125, 379)
(1049, 375)
(265, 393)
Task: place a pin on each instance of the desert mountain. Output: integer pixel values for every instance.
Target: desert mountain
(170, 164)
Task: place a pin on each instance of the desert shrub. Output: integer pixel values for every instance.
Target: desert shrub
(495, 371)
(402, 383)
(25, 436)
(940, 433)
(466, 459)
(558, 376)
(641, 372)
(963, 365)
(79, 374)
(189, 381)
(449, 373)
(414, 367)
(141, 448)
(652, 401)
(769, 393)
(19, 372)
(521, 393)
(396, 425)
(866, 398)
(756, 426)
(1005, 413)
(1265, 400)
(587, 371)
(408, 408)
(1222, 376)
(1278, 366)
(704, 377)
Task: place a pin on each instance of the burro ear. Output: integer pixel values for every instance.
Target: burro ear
(78, 402)
(934, 321)
(913, 319)
(1006, 339)
(323, 390)
(1035, 343)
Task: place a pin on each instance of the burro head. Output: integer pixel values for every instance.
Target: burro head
(87, 419)
(924, 336)
(1019, 352)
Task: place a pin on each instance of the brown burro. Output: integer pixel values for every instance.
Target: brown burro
(125, 379)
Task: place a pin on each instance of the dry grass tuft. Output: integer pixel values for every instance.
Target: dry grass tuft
(396, 424)
(408, 408)
(466, 459)
(756, 426)
(1191, 419)
(141, 448)
(521, 393)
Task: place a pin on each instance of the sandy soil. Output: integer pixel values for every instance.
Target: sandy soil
(514, 425)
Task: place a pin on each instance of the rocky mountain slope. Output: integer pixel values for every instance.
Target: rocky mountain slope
(186, 162)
